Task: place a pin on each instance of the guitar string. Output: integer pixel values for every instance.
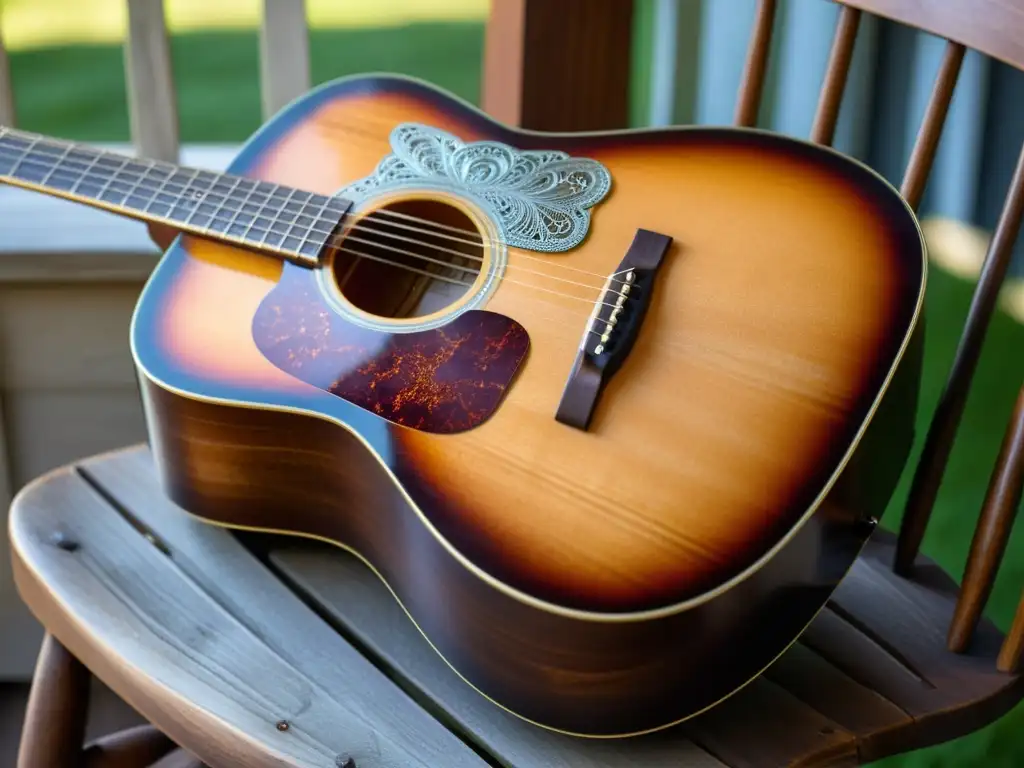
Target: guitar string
(37, 145)
(347, 236)
(229, 209)
(441, 249)
(138, 185)
(226, 209)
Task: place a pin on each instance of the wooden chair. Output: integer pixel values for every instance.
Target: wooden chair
(253, 651)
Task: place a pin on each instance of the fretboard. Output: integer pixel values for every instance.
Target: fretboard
(275, 219)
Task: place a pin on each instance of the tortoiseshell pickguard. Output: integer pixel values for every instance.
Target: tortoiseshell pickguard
(444, 380)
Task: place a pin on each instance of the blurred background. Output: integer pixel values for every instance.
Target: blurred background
(67, 71)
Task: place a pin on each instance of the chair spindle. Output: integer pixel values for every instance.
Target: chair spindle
(152, 99)
(928, 136)
(752, 85)
(942, 430)
(824, 127)
(1012, 654)
(284, 54)
(992, 533)
(57, 707)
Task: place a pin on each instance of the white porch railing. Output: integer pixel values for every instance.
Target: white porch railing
(69, 279)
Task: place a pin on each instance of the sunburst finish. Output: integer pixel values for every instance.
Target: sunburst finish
(603, 581)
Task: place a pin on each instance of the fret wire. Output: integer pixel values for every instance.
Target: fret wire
(164, 186)
(140, 183)
(312, 227)
(241, 204)
(114, 176)
(277, 214)
(21, 159)
(134, 185)
(305, 237)
(66, 162)
(197, 200)
(158, 190)
(153, 192)
(211, 182)
(137, 179)
(85, 175)
(125, 174)
(156, 193)
(57, 163)
(264, 188)
(259, 210)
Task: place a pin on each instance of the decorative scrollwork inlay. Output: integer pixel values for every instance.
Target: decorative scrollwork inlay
(539, 200)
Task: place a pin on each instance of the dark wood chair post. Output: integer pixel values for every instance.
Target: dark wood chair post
(752, 85)
(942, 431)
(558, 66)
(823, 128)
(58, 703)
(992, 532)
(923, 155)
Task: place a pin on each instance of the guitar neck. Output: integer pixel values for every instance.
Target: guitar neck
(259, 215)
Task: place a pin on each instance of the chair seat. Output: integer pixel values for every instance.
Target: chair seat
(295, 654)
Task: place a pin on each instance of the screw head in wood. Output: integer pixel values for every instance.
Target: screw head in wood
(282, 725)
(61, 541)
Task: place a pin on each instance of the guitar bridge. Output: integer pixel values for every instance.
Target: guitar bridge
(613, 327)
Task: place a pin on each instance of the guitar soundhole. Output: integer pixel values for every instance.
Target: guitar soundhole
(409, 259)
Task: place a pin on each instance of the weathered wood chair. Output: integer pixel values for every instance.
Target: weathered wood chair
(258, 652)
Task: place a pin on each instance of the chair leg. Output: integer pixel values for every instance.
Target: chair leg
(57, 707)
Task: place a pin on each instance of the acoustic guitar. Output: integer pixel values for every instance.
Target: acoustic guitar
(611, 414)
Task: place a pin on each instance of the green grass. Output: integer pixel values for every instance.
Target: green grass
(78, 92)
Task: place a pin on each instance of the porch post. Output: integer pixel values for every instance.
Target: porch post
(558, 65)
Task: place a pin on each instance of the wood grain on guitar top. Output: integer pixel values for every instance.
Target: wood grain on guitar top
(786, 295)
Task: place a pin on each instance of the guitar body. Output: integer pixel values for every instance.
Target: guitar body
(601, 578)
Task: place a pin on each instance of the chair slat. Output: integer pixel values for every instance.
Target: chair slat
(752, 85)
(992, 533)
(1012, 654)
(942, 430)
(152, 101)
(923, 154)
(6, 90)
(284, 54)
(824, 127)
